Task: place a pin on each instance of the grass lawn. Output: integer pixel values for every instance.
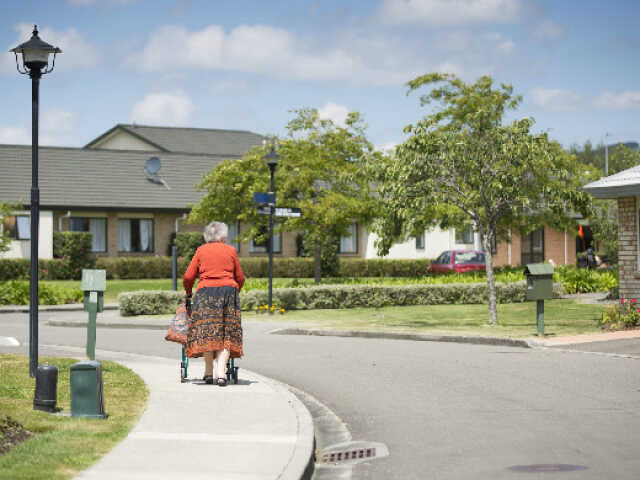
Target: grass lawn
(562, 317)
(114, 287)
(63, 446)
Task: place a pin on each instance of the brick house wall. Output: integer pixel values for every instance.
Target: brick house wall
(629, 273)
(554, 249)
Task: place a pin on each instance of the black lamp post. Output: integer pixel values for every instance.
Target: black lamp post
(35, 63)
(272, 160)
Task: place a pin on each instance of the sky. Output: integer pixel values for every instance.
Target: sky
(246, 64)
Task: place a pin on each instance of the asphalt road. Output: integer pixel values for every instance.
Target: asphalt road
(446, 411)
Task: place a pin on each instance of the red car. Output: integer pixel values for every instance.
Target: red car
(458, 261)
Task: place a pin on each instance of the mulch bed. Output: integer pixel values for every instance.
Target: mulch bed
(11, 434)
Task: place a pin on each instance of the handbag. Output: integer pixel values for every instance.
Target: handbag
(179, 326)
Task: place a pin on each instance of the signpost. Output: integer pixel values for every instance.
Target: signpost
(266, 204)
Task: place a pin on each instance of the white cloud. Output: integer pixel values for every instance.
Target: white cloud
(165, 108)
(58, 121)
(268, 51)
(334, 112)
(77, 51)
(557, 100)
(388, 148)
(549, 30)
(447, 13)
(15, 136)
(629, 100)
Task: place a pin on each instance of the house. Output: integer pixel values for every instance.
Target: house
(625, 188)
(132, 188)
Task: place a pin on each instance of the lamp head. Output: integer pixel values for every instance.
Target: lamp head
(272, 158)
(35, 53)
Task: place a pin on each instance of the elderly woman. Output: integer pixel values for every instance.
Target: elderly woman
(215, 331)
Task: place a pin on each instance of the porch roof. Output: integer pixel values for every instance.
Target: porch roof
(621, 184)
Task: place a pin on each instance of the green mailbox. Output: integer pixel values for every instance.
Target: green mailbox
(94, 283)
(539, 281)
(87, 399)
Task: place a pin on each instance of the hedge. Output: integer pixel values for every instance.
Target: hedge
(17, 292)
(338, 296)
(75, 247)
(19, 269)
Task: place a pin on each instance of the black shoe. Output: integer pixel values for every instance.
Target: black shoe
(222, 382)
(208, 379)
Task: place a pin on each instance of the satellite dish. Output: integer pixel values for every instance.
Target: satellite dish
(151, 169)
(152, 166)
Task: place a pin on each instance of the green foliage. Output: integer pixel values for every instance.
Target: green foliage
(621, 157)
(461, 163)
(321, 171)
(187, 243)
(353, 296)
(16, 292)
(19, 269)
(582, 280)
(149, 302)
(604, 226)
(75, 247)
(5, 240)
(625, 314)
(131, 267)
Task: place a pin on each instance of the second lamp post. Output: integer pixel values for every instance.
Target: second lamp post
(272, 160)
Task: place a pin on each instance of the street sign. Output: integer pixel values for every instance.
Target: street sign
(287, 212)
(264, 198)
(280, 211)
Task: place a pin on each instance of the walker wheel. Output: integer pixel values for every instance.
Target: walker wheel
(235, 375)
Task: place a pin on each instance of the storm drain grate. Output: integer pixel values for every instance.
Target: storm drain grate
(547, 468)
(352, 452)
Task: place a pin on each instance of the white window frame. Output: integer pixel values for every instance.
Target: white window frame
(277, 245)
(88, 220)
(153, 236)
(420, 241)
(233, 240)
(460, 235)
(351, 239)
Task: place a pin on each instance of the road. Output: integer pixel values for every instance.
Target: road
(446, 411)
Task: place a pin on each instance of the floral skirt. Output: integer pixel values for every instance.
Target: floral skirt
(215, 322)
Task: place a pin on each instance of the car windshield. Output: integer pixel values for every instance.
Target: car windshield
(469, 257)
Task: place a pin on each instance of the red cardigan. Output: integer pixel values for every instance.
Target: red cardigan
(218, 266)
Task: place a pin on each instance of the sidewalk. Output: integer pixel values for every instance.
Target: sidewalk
(256, 429)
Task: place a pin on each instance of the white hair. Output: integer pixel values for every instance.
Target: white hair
(215, 232)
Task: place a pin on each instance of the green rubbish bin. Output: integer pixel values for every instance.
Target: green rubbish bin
(87, 398)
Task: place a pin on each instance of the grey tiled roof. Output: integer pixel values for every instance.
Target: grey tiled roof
(621, 184)
(192, 140)
(109, 179)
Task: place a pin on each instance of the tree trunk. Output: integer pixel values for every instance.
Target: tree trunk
(317, 264)
(491, 280)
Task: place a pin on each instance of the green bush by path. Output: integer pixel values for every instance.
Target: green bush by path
(61, 446)
(75, 247)
(336, 296)
(17, 292)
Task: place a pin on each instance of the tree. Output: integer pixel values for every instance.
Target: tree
(461, 164)
(321, 171)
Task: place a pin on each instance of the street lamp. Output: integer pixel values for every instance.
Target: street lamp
(272, 160)
(35, 63)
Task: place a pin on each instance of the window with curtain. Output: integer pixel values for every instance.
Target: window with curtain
(96, 226)
(420, 242)
(234, 229)
(18, 227)
(465, 235)
(263, 247)
(532, 247)
(349, 242)
(135, 235)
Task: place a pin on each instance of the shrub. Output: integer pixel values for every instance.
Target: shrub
(149, 302)
(582, 280)
(16, 292)
(361, 267)
(76, 248)
(625, 314)
(187, 243)
(19, 269)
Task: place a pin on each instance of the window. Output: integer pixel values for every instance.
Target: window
(420, 242)
(234, 229)
(18, 227)
(469, 257)
(96, 226)
(263, 247)
(465, 235)
(135, 235)
(532, 248)
(349, 242)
